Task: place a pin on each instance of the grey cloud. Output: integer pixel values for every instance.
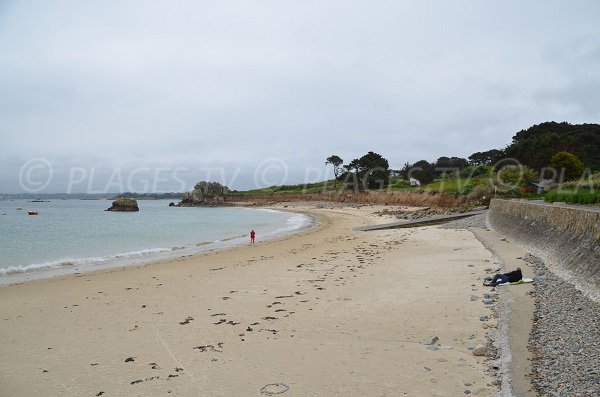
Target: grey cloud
(209, 85)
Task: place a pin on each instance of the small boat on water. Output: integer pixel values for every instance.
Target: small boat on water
(31, 212)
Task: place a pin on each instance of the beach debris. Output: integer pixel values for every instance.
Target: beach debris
(130, 359)
(231, 322)
(221, 321)
(218, 314)
(99, 393)
(269, 318)
(187, 320)
(274, 388)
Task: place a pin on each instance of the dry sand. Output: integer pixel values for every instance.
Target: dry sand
(328, 312)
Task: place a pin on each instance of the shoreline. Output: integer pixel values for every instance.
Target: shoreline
(73, 266)
(328, 311)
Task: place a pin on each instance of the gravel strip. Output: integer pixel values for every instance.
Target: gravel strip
(465, 223)
(565, 336)
(565, 339)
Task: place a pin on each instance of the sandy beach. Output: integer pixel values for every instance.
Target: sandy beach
(326, 312)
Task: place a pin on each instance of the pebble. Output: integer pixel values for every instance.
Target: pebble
(564, 340)
(479, 350)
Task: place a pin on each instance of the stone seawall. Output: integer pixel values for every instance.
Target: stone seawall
(567, 239)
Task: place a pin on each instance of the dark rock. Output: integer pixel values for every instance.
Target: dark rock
(205, 194)
(124, 205)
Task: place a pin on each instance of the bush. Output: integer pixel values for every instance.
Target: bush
(579, 197)
(569, 163)
(516, 175)
(482, 194)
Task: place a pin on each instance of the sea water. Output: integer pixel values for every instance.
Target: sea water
(69, 236)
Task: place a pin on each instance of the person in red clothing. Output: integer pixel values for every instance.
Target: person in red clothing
(252, 235)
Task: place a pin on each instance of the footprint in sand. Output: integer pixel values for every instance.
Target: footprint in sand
(209, 348)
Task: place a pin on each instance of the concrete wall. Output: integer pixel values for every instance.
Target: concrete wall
(567, 239)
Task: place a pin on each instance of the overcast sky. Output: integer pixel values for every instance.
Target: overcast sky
(157, 95)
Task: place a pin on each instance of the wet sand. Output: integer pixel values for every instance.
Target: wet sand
(329, 311)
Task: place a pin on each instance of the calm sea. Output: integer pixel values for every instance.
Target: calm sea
(70, 236)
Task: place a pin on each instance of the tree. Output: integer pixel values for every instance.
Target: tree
(371, 171)
(451, 162)
(486, 158)
(337, 162)
(453, 165)
(516, 175)
(567, 165)
(536, 145)
(405, 170)
(423, 171)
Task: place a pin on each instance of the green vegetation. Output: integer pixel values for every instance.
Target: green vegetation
(337, 162)
(570, 149)
(489, 157)
(371, 171)
(125, 203)
(576, 197)
(592, 182)
(318, 187)
(583, 191)
(536, 145)
(567, 165)
(515, 176)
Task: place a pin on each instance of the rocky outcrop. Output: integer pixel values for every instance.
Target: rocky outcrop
(124, 205)
(207, 194)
